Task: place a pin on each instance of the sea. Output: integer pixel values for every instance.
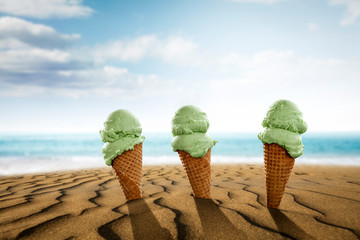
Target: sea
(34, 153)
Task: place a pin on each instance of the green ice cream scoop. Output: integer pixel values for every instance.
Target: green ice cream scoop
(189, 127)
(189, 119)
(283, 125)
(285, 115)
(122, 131)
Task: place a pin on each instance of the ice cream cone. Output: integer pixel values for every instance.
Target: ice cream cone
(128, 169)
(278, 166)
(198, 171)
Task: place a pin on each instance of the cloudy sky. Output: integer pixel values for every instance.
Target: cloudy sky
(66, 64)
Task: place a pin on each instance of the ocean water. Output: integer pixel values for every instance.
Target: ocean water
(42, 153)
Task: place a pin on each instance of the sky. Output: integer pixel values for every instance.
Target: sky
(66, 64)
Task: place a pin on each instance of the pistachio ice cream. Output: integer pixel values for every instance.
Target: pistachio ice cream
(283, 125)
(122, 131)
(189, 127)
(282, 143)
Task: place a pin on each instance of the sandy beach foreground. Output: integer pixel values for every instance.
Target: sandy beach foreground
(320, 202)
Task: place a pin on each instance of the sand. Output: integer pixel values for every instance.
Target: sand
(320, 202)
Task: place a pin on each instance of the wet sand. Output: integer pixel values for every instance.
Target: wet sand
(320, 202)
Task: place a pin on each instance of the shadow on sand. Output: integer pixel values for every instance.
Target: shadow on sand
(143, 222)
(214, 222)
(285, 225)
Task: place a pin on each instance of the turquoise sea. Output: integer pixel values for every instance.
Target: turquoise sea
(41, 153)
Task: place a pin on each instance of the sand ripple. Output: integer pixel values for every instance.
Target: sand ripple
(319, 203)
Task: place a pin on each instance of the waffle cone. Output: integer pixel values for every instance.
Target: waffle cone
(198, 171)
(278, 166)
(128, 169)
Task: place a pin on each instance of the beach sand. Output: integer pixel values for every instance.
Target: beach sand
(320, 202)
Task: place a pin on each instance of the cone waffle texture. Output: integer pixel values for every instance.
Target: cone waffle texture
(128, 169)
(278, 166)
(198, 171)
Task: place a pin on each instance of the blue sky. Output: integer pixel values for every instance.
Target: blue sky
(65, 65)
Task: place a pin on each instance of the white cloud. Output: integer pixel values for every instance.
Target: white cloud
(134, 50)
(18, 33)
(114, 71)
(45, 8)
(26, 47)
(280, 66)
(312, 26)
(175, 49)
(30, 60)
(259, 1)
(109, 81)
(31, 54)
(171, 49)
(352, 10)
(35, 60)
(258, 67)
(324, 89)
